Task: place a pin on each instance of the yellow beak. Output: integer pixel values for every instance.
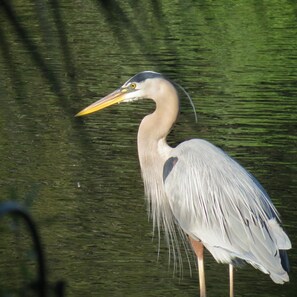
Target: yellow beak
(115, 97)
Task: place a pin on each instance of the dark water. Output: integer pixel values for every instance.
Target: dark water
(238, 62)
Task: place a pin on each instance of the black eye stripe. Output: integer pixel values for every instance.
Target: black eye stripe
(142, 76)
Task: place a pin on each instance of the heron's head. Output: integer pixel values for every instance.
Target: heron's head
(141, 85)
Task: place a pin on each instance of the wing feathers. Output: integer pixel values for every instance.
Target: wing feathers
(217, 201)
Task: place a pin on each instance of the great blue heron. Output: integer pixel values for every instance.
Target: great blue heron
(197, 187)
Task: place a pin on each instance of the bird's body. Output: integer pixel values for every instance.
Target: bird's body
(200, 189)
(225, 209)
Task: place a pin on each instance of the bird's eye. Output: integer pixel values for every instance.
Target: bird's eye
(133, 86)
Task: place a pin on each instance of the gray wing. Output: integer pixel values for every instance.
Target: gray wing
(217, 201)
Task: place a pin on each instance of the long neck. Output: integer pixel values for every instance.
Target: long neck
(154, 128)
(153, 151)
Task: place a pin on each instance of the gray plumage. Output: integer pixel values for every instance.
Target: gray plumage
(218, 202)
(199, 189)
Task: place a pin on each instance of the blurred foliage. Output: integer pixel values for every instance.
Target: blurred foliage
(19, 251)
(25, 271)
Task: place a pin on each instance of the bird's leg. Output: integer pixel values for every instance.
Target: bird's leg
(198, 248)
(231, 280)
(201, 274)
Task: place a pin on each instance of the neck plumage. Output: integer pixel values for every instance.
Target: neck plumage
(153, 151)
(154, 128)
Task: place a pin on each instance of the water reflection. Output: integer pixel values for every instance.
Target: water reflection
(237, 61)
